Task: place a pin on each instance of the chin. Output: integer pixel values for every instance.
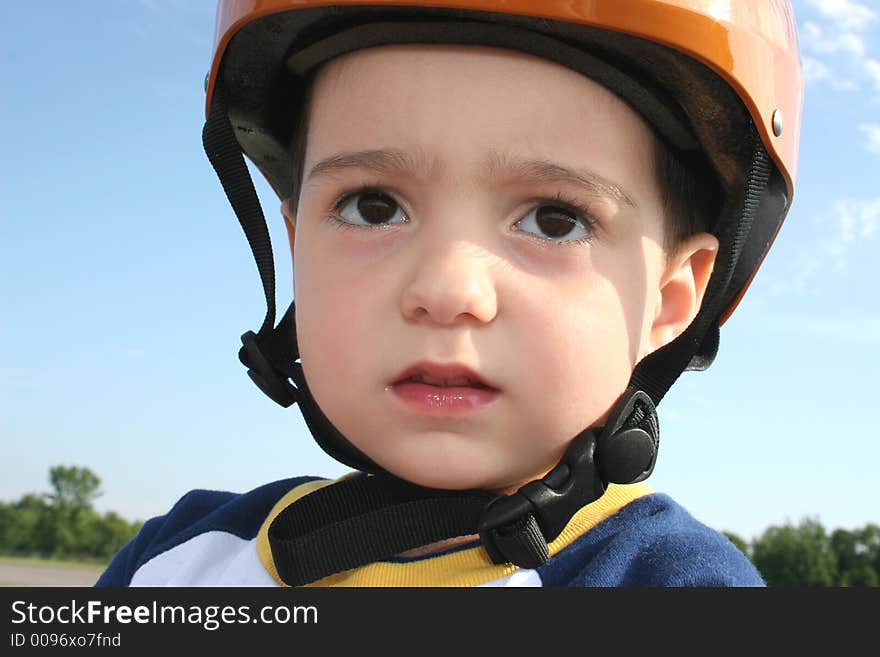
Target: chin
(456, 479)
(442, 480)
(430, 476)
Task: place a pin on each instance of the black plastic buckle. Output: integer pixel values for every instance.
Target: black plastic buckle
(627, 452)
(274, 385)
(552, 501)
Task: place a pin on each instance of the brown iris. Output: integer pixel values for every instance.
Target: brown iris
(554, 222)
(375, 207)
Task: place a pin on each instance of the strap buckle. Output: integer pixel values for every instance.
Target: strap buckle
(550, 501)
(624, 452)
(260, 370)
(627, 446)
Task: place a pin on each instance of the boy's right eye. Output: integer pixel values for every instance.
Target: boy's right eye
(369, 208)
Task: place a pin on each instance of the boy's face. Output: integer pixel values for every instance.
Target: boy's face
(468, 249)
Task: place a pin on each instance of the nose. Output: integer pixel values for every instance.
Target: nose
(451, 283)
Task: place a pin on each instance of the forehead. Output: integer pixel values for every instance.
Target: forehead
(457, 105)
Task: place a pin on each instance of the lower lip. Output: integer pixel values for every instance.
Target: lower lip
(436, 399)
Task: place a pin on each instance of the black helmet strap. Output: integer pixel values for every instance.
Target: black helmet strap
(365, 519)
(656, 373)
(227, 159)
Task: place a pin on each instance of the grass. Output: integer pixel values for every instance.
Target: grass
(60, 563)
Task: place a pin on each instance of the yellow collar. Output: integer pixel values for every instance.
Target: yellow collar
(464, 567)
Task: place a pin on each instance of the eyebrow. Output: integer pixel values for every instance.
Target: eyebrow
(502, 166)
(499, 167)
(381, 161)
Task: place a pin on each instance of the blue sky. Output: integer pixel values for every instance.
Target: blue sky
(126, 283)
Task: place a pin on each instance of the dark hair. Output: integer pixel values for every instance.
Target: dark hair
(690, 192)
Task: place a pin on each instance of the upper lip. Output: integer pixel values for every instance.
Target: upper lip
(445, 374)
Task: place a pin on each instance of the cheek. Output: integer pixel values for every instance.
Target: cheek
(581, 354)
(334, 332)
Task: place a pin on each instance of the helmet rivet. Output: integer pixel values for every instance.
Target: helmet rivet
(777, 122)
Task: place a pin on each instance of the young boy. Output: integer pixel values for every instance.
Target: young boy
(511, 232)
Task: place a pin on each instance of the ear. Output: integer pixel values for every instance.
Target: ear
(289, 213)
(682, 287)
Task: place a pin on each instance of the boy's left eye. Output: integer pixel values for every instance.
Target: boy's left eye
(370, 208)
(556, 224)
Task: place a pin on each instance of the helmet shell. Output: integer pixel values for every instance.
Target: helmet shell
(751, 45)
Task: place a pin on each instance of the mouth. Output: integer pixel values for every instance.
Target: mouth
(444, 376)
(434, 390)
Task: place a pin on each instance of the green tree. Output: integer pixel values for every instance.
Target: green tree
(106, 535)
(75, 488)
(63, 523)
(7, 524)
(872, 541)
(857, 555)
(60, 530)
(795, 556)
(18, 522)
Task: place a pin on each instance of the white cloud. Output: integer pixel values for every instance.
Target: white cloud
(872, 130)
(856, 219)
(819, 40)
(872, 68)
(845, 227)
(834, 47)
(846, 14)
(816, 71)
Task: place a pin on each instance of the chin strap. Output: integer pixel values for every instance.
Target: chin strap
(517, 528)
(365, 519)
